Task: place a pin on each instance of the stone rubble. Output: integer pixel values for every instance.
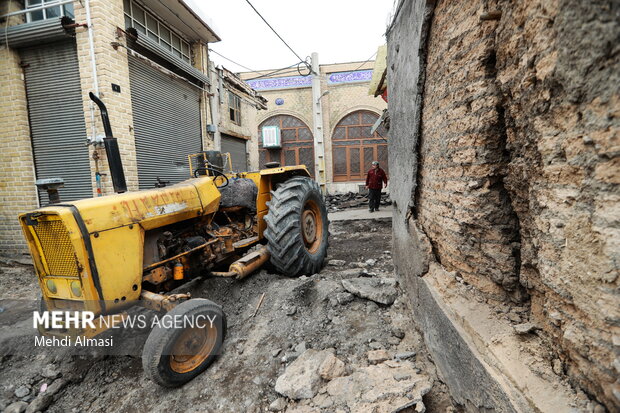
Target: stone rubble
(301, 379)
(525, 328)
(338, 202)
(384, 386)
(378, 356)
(379, 290)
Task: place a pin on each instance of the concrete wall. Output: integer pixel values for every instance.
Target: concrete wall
(504, 157)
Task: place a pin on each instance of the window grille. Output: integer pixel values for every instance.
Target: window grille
(147, 24)
(234, 108)
(49, 12)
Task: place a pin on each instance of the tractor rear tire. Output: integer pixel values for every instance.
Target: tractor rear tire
(174, 356)
(297, 227)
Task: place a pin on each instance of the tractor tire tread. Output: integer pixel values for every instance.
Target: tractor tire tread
(283, 233)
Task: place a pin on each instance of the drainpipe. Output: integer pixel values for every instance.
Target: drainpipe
(216, 100)
(91, 44)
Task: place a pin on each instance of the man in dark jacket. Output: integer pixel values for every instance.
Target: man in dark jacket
(375, 179)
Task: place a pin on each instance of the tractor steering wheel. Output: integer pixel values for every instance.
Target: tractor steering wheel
(215, 172)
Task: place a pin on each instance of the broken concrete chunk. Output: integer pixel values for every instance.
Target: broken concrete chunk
(278, 405)
(301, 347)
(525, 328)
(405, 355)
(344, 298)
(301, 380)
(56, 386)
(398, 332)
(17, 407)
(290, 310)
(380, 290)
(331, 368)
(374, 389)
(401, 376)
(393, 340)
(50, 372)
(351, 273)
(393, 363)
(22, 391)
(378, 356)
(40, 403)
(323, 401)
(375, 345)
(336, 263)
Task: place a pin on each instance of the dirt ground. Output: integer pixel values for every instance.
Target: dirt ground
(296, 314)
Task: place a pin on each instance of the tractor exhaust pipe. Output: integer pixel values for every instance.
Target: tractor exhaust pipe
(111, 149)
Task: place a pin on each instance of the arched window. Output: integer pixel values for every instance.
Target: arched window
(297, 143)
(354, 147)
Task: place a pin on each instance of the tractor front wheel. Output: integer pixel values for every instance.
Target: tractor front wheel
(175, 354)
(297, 227)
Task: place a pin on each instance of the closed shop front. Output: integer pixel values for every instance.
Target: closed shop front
(236, 147)
(56, 117)
(167, 126)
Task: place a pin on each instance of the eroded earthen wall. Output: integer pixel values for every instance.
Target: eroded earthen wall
(558, 73)
(516, 169)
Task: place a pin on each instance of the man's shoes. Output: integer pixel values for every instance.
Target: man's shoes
(371, 210)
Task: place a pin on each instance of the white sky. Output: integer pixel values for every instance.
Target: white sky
(338, 30)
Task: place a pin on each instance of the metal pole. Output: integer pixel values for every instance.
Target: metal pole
(217, 101)
(317, 115)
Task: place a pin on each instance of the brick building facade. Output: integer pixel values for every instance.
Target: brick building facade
(348, 115)
(142, 59)
(236, 107)
(504, 152)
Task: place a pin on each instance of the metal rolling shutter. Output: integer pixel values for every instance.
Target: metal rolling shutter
(36, 33)
(57, 118)
(236, 148)
(166, 119)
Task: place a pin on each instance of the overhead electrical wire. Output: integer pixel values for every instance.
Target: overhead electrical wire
(232, 61)
(305, 62)
(275, 71)
(284, 71)
(365, 61)
(273, 30)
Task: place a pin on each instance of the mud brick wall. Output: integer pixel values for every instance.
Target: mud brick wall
(461, 199)
(558, 72)
(515, 170)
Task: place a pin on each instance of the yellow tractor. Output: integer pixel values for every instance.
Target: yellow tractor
(106, 254)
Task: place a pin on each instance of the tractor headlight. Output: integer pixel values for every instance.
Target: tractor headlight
(76, 288)
(51, 286)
